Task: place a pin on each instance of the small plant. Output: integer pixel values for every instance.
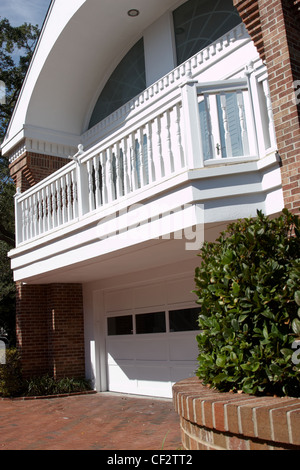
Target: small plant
(47, 385)
(248, 289)
(11, 382)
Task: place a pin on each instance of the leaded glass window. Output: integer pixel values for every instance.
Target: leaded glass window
(126, 82)
(198, 23)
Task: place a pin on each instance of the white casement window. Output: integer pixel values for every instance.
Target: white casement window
(226, 119)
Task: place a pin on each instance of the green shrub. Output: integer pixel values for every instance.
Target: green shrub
(11, 383)
(47, 385)
(248, 289)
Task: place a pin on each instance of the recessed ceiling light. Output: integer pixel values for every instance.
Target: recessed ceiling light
(133, 12)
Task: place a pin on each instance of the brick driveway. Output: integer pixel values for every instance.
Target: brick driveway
(89, 422)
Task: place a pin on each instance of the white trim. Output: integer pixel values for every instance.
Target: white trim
(142, 195)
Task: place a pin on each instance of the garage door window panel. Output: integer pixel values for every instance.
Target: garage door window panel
(150, 323)
(118, 326)
(184, 319)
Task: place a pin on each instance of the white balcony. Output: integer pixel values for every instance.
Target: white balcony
(199, 142)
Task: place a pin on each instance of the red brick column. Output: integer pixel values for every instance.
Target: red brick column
(274, 28)
(49, 319)
(31, 168)
(66, 330)
(280, 24)
(50, 330)
(32, 329)
(249, 12)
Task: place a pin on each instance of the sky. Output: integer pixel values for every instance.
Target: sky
(21, 11)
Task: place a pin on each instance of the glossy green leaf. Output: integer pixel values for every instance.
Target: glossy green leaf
(248, 283)
(297, 297)
(296, 326)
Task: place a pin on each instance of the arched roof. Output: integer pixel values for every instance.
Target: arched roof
(79, 46)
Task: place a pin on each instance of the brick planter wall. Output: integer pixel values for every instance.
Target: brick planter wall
(211, 420)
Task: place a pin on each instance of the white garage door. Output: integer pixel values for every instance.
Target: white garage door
(149, 352)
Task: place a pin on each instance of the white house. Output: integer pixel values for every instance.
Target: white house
(157, 117)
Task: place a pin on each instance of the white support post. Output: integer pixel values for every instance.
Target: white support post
(110, 176)
(158, 155)
(63, 200)
(134, 176)
(126, 163)
(191, 120)
(214, 136)
(58, 202)
(250, 78)
(270, 114)
(116, 151)
(227, 135)
(151, 166)
(169, 160)
(96, 163)
(81, 183)
(54, 210)
(82, 188)
(242, 117)
(74, 194)
(91, 197)
(103, 176)
(18, 217)
(179, 162)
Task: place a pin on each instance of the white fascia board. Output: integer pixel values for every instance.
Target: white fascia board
(12, 142)
(99, 225)
(40, 135)
(52, 136)
(58, 16)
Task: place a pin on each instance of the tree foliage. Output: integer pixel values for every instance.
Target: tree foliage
(248, 289)
(16, 49)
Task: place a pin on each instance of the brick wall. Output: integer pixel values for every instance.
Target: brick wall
(274, 27)
(280, 22)
(31, 328)
(66, 330)
(31, 168)
(211, 420)
(249, 12)
(50, 329)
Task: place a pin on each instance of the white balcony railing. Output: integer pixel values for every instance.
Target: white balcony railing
(187, 127)
(126, 162)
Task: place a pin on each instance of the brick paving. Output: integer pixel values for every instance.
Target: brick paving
(89, 422)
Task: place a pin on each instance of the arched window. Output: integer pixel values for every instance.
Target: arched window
(198, 23)
(127, 81)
